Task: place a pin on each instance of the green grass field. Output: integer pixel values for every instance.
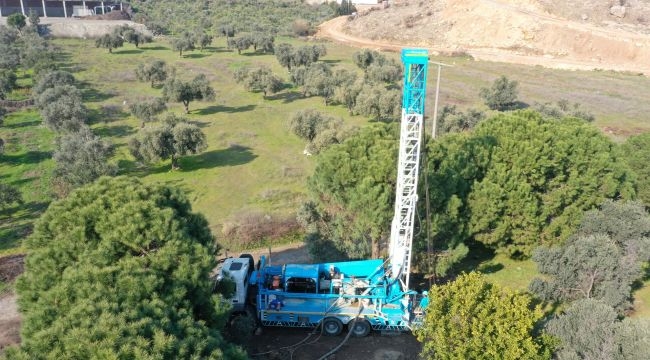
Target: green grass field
(253, 165)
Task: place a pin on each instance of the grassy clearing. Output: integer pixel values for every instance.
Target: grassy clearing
(26, 163)
(252, 164)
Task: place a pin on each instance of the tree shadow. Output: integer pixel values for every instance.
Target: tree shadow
(195, 55)
(30, 157)
(157, 47)
(520, 105)
(225, 109)
(232, 156)
(479, 257)
(91, 94)
(128, 52)
(12, 231)
(490, 268)
(255, 53)
(136, 169)
(27, 211)
(114, 131)
(286, 97)
(200, 124)
(217, 49)
(22, 124)
(331, 61)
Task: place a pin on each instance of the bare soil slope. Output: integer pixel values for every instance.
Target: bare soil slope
(553, 33)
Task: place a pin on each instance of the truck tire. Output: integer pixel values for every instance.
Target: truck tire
(332, 326)
(360, 328)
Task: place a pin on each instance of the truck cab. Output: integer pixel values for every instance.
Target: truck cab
(239, 271)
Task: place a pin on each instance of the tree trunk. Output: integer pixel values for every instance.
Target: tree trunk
(110, 50)
(180, 53)
(187, 106)
(375, 248)
(175, 163)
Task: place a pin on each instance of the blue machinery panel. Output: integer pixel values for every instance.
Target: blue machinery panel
(415, 79)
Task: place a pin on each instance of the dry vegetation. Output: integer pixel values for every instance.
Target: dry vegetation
(561, 34)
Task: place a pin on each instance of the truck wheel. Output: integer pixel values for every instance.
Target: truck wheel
(360, 328)
(332, 326)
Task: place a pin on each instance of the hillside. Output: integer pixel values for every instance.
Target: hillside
(552, 33)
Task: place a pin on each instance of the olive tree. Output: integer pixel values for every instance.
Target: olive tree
(284, 54)
(135, 37)
(502, 95)
(450, 119)
(51, 79)
(203, 40)
(120, 269)
(591, 329)
(260, 79)
(61, 108)
(9, 195)
(601, 260)
(9, 49)
(147, 109)
(183, 43)
(154, 72)
(169, 141)
(110, 41)
(187, 91)
(82, 157)
(7, 82)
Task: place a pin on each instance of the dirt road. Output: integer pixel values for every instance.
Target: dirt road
(552, 42)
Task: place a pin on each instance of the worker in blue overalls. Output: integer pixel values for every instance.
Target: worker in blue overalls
(424, 302)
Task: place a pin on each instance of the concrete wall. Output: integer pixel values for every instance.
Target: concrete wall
(53, 8)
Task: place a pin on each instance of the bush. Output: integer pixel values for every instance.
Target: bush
(502, 95)
(252, 228)
(301, 27)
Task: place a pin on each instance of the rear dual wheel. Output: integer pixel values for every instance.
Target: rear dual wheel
(360, 328)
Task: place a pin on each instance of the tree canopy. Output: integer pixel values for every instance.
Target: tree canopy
(353, 187)
(9, 195)
(590, 329)
(174, 138)
(187, 91)
(61, 108)
(502, 95)
(110, 41)
(519, 181)
(470, 318)
(147, 109)
(155, 72)
(82, 157)
(51, 79)
(120, 269)
(637, 154)
(601, 260)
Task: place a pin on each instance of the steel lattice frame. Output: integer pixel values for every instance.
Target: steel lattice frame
(411, 131)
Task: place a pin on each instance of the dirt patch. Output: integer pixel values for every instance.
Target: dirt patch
(9, 321)
(515, 31)
(11, 267)
(297, 344)
(113, 15)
